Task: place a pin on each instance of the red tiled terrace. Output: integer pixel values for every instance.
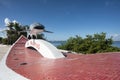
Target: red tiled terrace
(32, 65)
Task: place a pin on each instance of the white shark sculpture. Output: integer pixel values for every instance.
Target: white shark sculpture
(35, 29)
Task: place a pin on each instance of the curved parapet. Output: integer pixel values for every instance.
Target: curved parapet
(45, 48)
(6, 73)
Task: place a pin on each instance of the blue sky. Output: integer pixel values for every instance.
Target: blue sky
(65, 18)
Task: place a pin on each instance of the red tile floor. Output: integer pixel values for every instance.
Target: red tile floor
(30, 64)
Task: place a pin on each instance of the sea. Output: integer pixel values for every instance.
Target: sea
(57, 43)
(116, 44)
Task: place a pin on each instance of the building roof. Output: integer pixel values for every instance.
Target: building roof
(30, 64)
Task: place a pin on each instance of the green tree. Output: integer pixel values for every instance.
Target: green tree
(15, 31)
(41, 36)
(0, 40)
(91, 44)
(4, 41)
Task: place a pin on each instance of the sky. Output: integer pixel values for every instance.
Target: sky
(66, 18)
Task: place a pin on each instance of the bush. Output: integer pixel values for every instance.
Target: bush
(91, 44)
(4, 41)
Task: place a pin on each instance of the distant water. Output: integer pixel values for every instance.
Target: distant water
(116, 44)
(57, 43)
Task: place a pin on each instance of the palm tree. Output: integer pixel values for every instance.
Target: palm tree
(14, 30)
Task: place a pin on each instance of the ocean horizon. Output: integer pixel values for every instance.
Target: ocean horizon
(116, 44)
(58, 43)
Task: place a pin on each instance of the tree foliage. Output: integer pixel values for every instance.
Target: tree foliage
(15, 30)
(91, 44)
(0, 40)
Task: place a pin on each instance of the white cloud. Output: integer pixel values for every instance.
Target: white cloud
(116, 37)
(2, 32)
(7, 21)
